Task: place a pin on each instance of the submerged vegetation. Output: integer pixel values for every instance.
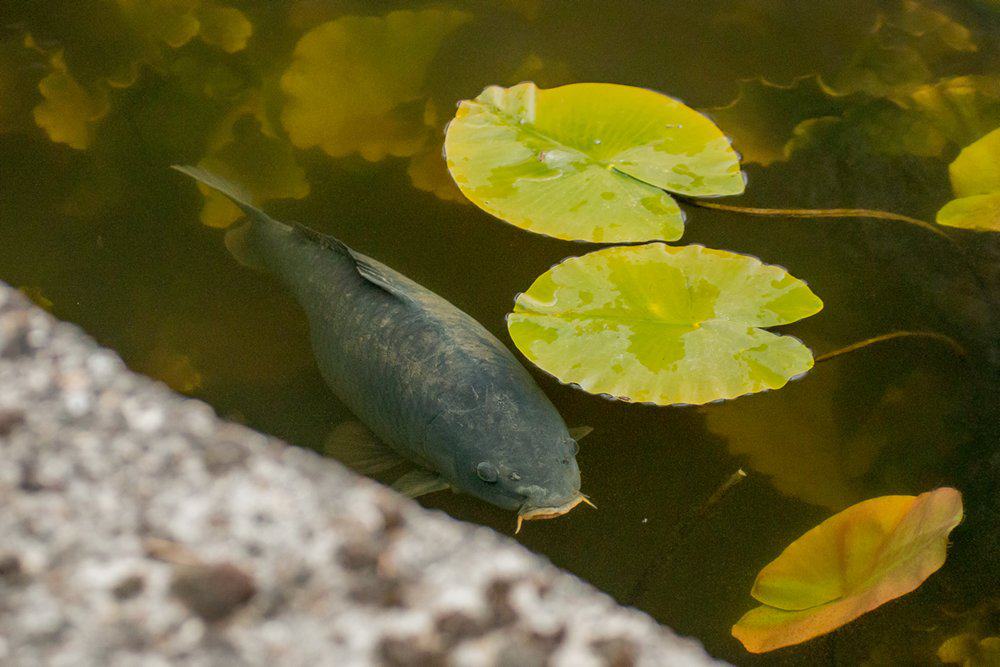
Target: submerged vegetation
(866, 108)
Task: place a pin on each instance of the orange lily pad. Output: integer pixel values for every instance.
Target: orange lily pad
(853, 562)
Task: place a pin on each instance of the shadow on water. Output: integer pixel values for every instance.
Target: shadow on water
(332, 113)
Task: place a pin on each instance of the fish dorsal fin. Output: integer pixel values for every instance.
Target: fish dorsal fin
(420, 482)
(366, 267)
(354, 445)
(374, 274)
(578, 433)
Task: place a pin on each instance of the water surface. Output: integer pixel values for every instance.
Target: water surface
(97, 98)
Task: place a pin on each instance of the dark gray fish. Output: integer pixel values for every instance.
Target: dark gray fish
(429, 381)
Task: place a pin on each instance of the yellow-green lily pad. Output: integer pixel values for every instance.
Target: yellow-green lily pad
(978, 212)
(663, 324)
(588, 161)
(975, 178)
(853, 562)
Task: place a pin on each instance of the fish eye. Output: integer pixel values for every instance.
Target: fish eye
(576, 448)
(488, 472)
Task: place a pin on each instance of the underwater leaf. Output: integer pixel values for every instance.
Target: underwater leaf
(817, 441)
(527, 9)
(172, 22)
(427, 169)
(881, 124)
(357, 84)
(588, 161)
(925, 121)
(901, 52)
(224, 27)
(962, 108)
(975, 179)
(262, 163)
(19, 78)
(880, 70)
(853, 562)
(544, 72)
(792, 438)
(172, 368)
(68, 112)
(931, 31)
(663, 324)
(429, 172)
(968, 650)
(762, 117)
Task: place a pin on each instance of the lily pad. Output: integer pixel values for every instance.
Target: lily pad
(663, 324)
(588, 161)
(853, 562)
(975, 178)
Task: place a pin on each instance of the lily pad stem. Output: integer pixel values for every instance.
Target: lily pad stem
(947, 340)
(666, 551)
(820, 213)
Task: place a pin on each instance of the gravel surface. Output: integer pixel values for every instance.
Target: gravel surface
(137, 528)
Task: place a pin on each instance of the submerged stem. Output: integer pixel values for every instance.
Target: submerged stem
(821, 213)
(680, 532)
(933, 335)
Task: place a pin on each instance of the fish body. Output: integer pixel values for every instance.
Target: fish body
(426, 378)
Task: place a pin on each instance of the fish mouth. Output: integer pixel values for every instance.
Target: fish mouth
(539, 513)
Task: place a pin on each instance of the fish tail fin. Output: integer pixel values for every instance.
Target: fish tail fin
(238, 195)
(237, 238)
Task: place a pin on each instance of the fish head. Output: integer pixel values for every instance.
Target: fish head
(533, 472)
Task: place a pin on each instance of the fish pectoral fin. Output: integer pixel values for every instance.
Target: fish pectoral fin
(420, 482)
(353, 444)
(578, 433)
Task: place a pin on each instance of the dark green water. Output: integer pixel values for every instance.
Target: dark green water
(106, 94)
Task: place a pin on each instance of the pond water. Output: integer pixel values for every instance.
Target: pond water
(867, 103)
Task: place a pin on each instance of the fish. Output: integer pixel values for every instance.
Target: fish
(437, 391)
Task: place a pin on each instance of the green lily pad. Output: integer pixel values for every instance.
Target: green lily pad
(588, 161)
(975, 178)
(663, 324)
